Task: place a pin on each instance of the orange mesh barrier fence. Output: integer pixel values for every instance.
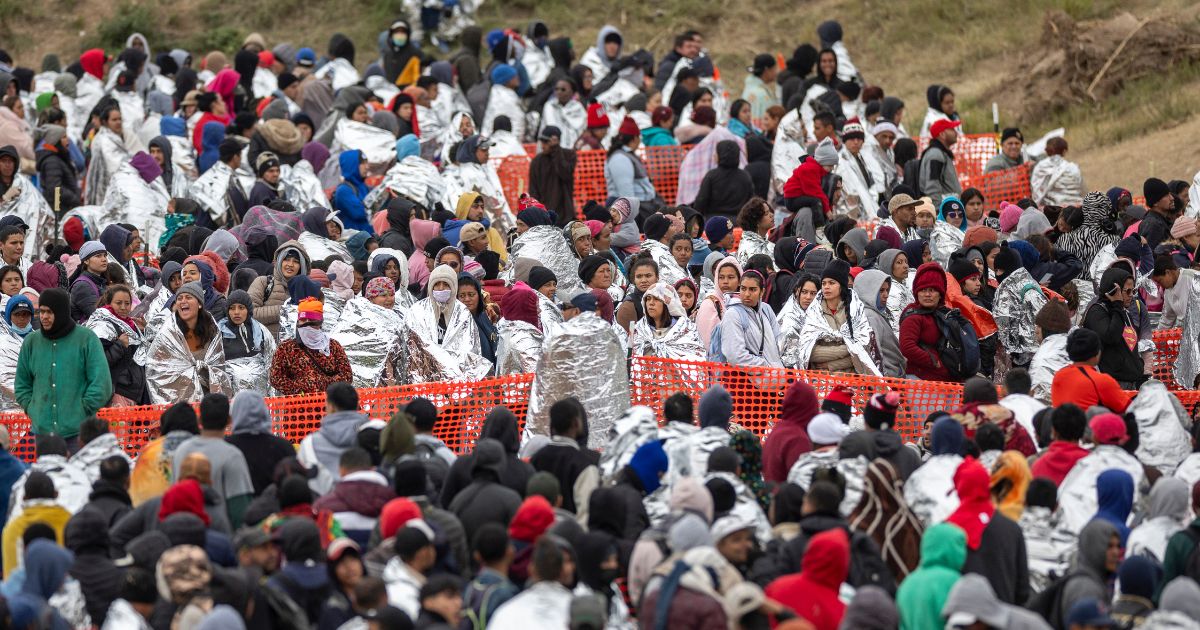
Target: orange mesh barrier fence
(663, 166)
(971, 153)
(589, 177)
(1166, 348)
(514, 178)
(1009, 185)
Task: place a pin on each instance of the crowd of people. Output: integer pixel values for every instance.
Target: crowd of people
(195, 234)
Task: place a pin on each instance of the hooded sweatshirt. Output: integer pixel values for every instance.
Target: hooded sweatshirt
(923, 594)
(726, 188)
(323, 448)
(1089, 575)
(252, 436)
(1114, 499)
(973, 595)
(1170, 510)
(813, 593)
(789, 439)
(349, 195)
(46, 566)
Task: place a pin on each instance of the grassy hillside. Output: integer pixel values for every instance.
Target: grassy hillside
(975, 47)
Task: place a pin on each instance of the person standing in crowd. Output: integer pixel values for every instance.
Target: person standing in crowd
(312, 361)
(230, 472)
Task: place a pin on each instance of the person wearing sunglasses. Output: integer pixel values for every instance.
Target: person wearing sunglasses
(1109, 316)
(948, 230)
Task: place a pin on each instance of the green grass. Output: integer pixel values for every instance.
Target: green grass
(128, 19)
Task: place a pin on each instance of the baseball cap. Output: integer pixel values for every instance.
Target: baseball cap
(938, 127)
(550, 131)
(1089, 613)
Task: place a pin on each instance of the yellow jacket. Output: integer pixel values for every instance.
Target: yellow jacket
(33, 511)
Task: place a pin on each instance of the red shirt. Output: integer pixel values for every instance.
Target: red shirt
(1083, 385)
(1058, 460)
(806, 182)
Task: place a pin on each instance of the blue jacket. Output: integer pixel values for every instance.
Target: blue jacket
(349, 195)
(11, 470)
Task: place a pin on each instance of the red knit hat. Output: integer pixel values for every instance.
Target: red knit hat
(395, 514)
(532, 519)
(73, 233)
(930, 276)
(628, 127)
(596, 116)
(841, 395)
(185, 496)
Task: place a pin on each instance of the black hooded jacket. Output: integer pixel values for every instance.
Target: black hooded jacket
(398, 236)
(395, 59)
(726, 188)
(500, 425)
(466, 59)
(100, 580)
(55, 170)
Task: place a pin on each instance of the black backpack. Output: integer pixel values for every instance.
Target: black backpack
(958, 346)
(1048, 603)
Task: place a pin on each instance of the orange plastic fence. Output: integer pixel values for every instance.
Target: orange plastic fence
(1008, 185)
(1166, 344)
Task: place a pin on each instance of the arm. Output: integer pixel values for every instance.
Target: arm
(1107, 323)
(1111, 394)
(626, 314)
(23, 386)
(281, 376)
(704, 196)
(585, 483)
(910, 347)
(99, 390)
(1065, 267)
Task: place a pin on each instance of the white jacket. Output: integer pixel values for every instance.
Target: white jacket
(543, 605)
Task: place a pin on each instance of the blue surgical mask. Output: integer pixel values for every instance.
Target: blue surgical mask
(21, 332)
(399, 40)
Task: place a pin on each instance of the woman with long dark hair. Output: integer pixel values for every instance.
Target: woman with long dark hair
(186, 360)
(120, 335)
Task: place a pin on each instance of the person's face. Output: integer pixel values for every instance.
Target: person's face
(468, 296)
(306, 131)
(362, 169)
(1012, 148)
(335, 230)
(477, 244)
(770, 123)
(238, 314)
(481, 155)
(450, 260)
(548, 289)
(387, 300)
(431, 94)
(218, 107)
(46, 317)
(691, 48)
(681, 250)
(768, 75)
(948, 104)
(8, 167)
(188, 307)
(948, 137)
(828, 64)
(122, 303)
(356, 286)
(188, 110)
(885, 290)
(736, 546)
(586, 82)
(191, 273)
(21, 318)
(349, 572)
(644, 277)
(727, 279)
(991, 258)
(603, 242)
(655, 309)
(570, 311)
(583, 245)
(404, 111)
(567, 577)
(925, 255)
(271, 175)
(265, 557)
(475, 212)
(391, 270)
(174, 282)
(854, 145)
(850, 255)
(448, 604)
(751, 292)
(822, 130)
(974, 209)
(806, 293)
(360, 114)
(466, 126)
(706, 100)
(11, 284)
(522, 227)
(563, 92)
(14, 247)
(1167, 281)
(766, 222)
(687, 298)
(831, 291)
(114, 122)
(954, 216)
(97, 264)
(1127, 292)
(900, 267)
(603, 278)
(928, 298)
(549, 143)
(1112, 556)
(925, 219)
(290, 267)
(904, 216)
(972, 285)
(979, 264)
(158, 156)
(611, 49)
(886, 139)
(292, 91)
(744, 115)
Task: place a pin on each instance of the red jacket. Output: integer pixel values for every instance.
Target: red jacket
(1086, 386)
(806, 182)
(789, 439)
(1058, 460)
(919, 335)
(813, 593)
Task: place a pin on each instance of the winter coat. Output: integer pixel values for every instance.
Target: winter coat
(356, 502)
(924, 592)
(270, 292)
(689, 609)
(55, 171)
(348, 196)
(76, 361)
(1109, 320)
(484, 501)
(806, 182)
(1088, 576)
(99, 579)
(552, 181)
(750, 337)
(1001, 559)
(789, 439)
(321, 449)
(548, 602)
(1057, 460)
(866, 563)
(937, 176)
(45, 511)
(501, 425)
(726, 188)
(110, 500)
(85, 293)
(252, 436)
(296, 369)
(813, 593)
(144, 518)
(919, 335)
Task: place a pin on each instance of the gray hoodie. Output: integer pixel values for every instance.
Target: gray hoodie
(250, 413)
(1090, 573)
(867, 286)
(972, 599)
(1178, 607)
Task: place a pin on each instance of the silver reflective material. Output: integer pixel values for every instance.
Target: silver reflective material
(1164, 437)
(635, 427)
(1187, 362)
(404, 299)
(129, 199)
(183, 163)
(746, 506)
(669, 270)
(109, 327)
(378, 145)
(899, 297)
(853, 470)
(253, 373)
(545, 244)
(331, 309)
(370, 334)
(791, 323)
(943, 241)
(108, 154)
(856, 333)
(455, 357)
(519, 348)
(29, 204)
(174, 374)
(1016, 305)
(1051, 356)
(10, 350)
(319, 248)
(752, 244)
(413, 178)
(299, 186)
(680, 342)
(341, 73)
(1105, 259)
(930, 492)
(483, 179)
(584, 359)
(1077, 492)
(1087, 293)
(210, 190)
(549, 314)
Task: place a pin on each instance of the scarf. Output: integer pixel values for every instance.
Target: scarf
(747, 445)
(313, 338)
(128, 321)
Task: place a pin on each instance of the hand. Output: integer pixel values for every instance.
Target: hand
(124, 339)
(140, 321)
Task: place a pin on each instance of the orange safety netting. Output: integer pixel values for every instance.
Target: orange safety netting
(1166, 348)
(1009, 185)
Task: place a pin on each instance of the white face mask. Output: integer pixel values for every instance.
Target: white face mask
(441, 296)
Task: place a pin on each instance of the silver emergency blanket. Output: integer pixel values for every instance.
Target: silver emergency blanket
(286, 226)
(456, 358)
(29, 204)
(1164, 427)
(1187, 362)
(688, 448)
(1105, 259)
(746, 506)
(183, 165)
(254, 373)
(1051, 356)
(584, 359)
(669, 270)
(413, 178)
(320, 248)
(943, 241)
(635, 427)
(503, 101)
(108, 154)
(852, 469)
(790, 146)
(1077, 492)
(244, 173)
(545, 244)
(752, 244)
(264, 82)
(1056, 182)
(791, 324)
(129, 199)
(1189, 470)
(88, 92)
(1016, 305)
(300, 187)
(899, 297)
(10, 349)
(1049, 549)
(519, 348)
(483, 179)
(109, 327)
(404, 299)
(210, 190)
(133, 113)
(341, 73)
(860, 341)
(370, 334)
(378, 145)
(855, 190)
(929, 491)
(549, 315)
(1087, 292)
(680, 342)
(173, 374)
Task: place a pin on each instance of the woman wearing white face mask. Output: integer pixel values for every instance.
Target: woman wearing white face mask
(312, 361)
(446, 333)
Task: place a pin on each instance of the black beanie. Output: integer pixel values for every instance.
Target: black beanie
(723, 495)
(539, 276)
(589, 266)
(1007, 260)
(837, 270)
(961, 269)
(1154, 189)
(1082, 344)
(656, 227)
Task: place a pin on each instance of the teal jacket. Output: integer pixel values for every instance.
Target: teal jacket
(60, 382)
(923, 593)
(658, 137)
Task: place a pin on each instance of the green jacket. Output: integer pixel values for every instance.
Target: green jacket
(923, 593)
(1179, 548)
(658, 137)
(62, 381)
